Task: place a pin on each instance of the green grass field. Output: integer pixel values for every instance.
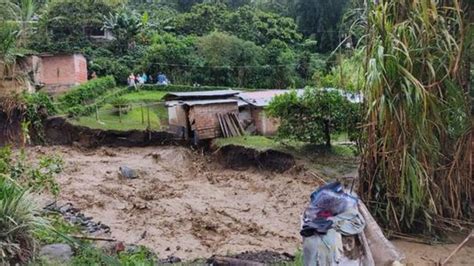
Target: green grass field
(145, 96)
(137, 118)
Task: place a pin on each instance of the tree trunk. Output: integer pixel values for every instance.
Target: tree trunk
(327, 133)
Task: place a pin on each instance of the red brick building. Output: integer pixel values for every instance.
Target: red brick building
(51, 73)
(60, 72)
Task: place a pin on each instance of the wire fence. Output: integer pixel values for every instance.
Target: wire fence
(151, 116)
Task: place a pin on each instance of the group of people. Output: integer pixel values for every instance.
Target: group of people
(138, 79)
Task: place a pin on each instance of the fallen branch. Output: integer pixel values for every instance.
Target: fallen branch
(411, 239)
(319, 177)
(95, 238)
(458, 248)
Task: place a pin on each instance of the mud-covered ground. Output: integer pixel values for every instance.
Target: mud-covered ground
(185, 204)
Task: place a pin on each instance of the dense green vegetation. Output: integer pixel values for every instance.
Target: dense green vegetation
(418, 130)
(253, 44)
(315, 115)
(86, 93)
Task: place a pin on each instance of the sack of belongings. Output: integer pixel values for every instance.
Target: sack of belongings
(337, 229)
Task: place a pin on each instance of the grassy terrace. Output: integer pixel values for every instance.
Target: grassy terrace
(331, 163)
(135, 118)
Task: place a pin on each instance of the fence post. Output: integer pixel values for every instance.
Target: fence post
(96, 113)
(120, 113)
(148, 116)
(143, 114)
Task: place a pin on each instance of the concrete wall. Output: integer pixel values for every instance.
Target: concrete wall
(203, 118)
(265, 125)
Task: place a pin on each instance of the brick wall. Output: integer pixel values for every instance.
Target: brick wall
(60, 72)
(204, 120)
(81, 68)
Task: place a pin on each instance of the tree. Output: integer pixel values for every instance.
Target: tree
(313, 116)
(124, 25)
(202, 19)
(228, 60)
(171, 55)
(261, 27)
(66, 25)
(281, 62)
(321, 18)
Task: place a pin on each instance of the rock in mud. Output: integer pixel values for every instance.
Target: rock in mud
(128, 172)
(170, 260)
(61, 253)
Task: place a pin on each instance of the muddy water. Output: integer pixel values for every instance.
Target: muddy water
(184, 204)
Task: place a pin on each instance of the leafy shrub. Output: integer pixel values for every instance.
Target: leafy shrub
(18, 220)
(120, 102)
(110, 66)
(38, 107)
(56, 231)
(82, 110)
(88, 255)
(42, 176)
(37, 177)
(87, 92)
(313, 116)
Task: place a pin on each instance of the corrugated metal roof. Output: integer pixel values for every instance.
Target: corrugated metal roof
(200, 94)
(205, 102)
(263, 98)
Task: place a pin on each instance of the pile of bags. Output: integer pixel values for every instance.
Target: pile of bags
(337, 229)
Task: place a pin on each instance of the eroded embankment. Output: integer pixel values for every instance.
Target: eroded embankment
(58, 131)
(241, 158)
(184, 203)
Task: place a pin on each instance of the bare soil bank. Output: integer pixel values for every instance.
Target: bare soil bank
(58, 131)
(242, 158)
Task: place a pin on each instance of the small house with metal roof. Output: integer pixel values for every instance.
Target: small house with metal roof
(194, 115)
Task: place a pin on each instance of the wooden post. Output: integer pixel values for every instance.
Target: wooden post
(120, 113)
(148, 116)
(143, 114)
(96, 113)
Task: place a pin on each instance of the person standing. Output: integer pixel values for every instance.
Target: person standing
(131, 80)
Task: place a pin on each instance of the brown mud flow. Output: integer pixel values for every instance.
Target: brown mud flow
(188, 205)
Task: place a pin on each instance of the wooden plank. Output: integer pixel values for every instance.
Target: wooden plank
(234, 124)
(231, 126)
(221, 125)
(226, 128)
(239, 124)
